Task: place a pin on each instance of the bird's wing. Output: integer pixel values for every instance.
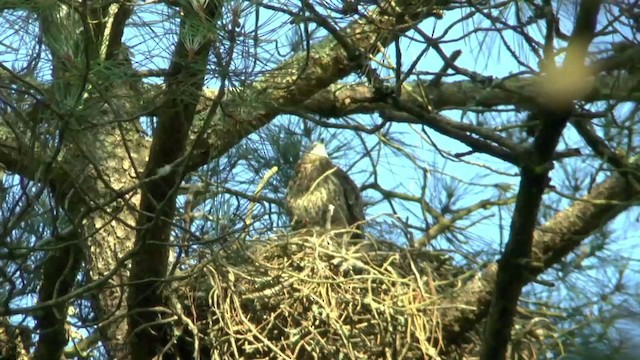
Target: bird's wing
(351, 195)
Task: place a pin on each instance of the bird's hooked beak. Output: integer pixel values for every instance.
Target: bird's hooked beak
(318, 149)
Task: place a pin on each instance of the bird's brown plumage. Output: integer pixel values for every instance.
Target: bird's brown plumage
(322, 195)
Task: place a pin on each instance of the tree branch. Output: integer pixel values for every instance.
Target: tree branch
(58, 277)
(486, 142)
(287, 85)
(158, 197)
(551, 243)
(515, 266)
(343, 99)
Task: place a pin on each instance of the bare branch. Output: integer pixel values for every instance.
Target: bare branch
(551, 243)
(186, 77)
(514, 268)
(285, 86)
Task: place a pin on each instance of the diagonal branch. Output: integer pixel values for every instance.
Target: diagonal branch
(298, 79)
(486, 141)
(551, 243)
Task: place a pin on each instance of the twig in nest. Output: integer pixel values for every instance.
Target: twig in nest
(249, 219)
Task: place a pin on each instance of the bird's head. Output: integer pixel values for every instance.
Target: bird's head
(318, 149)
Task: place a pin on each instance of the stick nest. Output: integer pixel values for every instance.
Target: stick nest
(306, 295)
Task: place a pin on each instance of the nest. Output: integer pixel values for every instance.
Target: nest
(308, 296)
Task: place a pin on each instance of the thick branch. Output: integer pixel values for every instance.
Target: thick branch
(343, 100)
(298, 79)
(58, 277)
(158, 200)
(551, 243)
(514, 268)
(520, 92)
(113, 42)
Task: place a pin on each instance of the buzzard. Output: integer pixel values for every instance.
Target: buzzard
(321, 195)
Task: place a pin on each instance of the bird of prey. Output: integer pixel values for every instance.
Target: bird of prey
(321, 195)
